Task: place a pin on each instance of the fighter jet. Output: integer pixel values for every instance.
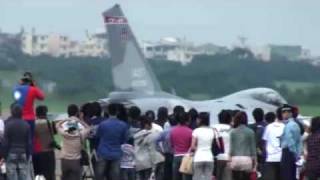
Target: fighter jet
(136, 85)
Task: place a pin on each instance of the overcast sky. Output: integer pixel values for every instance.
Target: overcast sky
(216, 21)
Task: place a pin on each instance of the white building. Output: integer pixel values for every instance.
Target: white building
(94, 45)
(56, 45)
(172, 49)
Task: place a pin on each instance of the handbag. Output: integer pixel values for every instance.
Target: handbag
(253, 176)
(217, 146)
(186, 166)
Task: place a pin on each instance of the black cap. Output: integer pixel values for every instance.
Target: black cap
(286, 107)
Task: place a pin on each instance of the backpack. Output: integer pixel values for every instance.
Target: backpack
(300, 124)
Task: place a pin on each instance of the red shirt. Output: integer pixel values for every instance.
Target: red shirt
(25, 95)
(180, 138)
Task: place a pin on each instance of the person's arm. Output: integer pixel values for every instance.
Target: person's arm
(38, 93)
(86, 130)
(159, 140)
(29, 142)
(6, 142)
(232, 140)
(253, 150)
(60, 129)
(125, 135)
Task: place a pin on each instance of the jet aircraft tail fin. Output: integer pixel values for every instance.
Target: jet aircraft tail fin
(130, 70)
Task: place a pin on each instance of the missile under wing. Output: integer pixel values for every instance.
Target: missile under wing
(136, 85)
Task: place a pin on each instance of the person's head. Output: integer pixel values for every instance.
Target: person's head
(258, 114)
(178, 109)
(193, 114)
(27, 78)
(162, 113)
(134, 113)
(146, 122)
(73, 110)
(225, 117)
(172, 121)
(240, 118)
(86, 111)
(270, 117)
(203, 119)
(182, 118)
(286, 112)
(150, 114)
(96, 109)
(279, 114)
(315, 125)
(41, 112)
(122, 113)
(16, 111)
(295, 112)
(112, 109)
(105, 112)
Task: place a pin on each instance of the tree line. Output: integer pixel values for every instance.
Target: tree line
(212, 76)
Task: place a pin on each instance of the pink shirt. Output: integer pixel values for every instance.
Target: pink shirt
(181, 137)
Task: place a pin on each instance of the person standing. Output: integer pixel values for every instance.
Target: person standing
(127, 163)
(271, 136)
(148, 160)
(111, 133)
(25, 94)
(291, 144)
(44, 157)
(224, 129)
(94, 123)
(163, 145)
(258, 128)
(202, 138)
(73, 132)
(162, 116)
(17, 145)
(313, 151)
(243, 152)
(180, 140)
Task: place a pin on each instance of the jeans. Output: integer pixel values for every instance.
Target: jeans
(108, 169)
(240, 175)
(144, 174)
(71, 169)
(128, 174)
(17, 167)
(44, 164)
(271, 171)
(175, 170)
(223, 171)
(202, 170)
(168, 166)
(288, 165)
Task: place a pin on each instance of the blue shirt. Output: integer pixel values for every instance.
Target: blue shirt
(112, 133)
(291, 138)
(94, 123)
(164, 140)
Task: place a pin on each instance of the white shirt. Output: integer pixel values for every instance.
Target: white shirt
(156, 127)
(272, 135)
(224, 131)
(1, 127)
(204, 136)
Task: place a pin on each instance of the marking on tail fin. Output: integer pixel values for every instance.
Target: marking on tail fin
(130, 70)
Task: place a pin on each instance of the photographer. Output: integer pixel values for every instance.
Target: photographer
(74, 132)
(44, 157)
(25, 95)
